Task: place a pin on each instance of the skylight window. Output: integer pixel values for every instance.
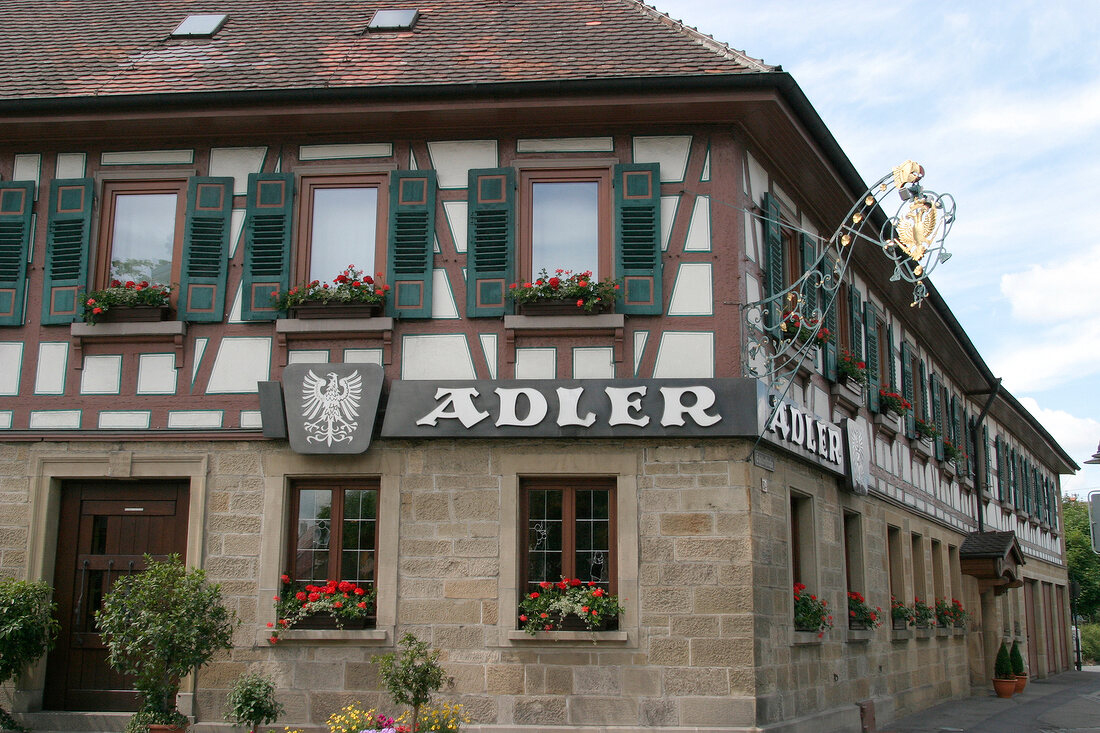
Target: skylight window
(200, 25)
(393, 20)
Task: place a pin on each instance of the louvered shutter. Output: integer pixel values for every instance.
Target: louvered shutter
(267, 243)
(971, 445)
(774, 275)
(923, 387)
(412, 231)
(1002, 477)
(1013, 478)
(205, 249)
(16, 215)
(987, 461)
(638, 238)
(491, 237)
(907, 388)
(68, 240)
(953, 427)
(830, 348)
(870, 329)
(937, 415)
(855, 325)
(1026, 483)
(891, 362)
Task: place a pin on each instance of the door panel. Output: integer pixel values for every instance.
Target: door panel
(105, 530)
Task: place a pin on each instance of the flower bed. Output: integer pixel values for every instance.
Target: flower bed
(550, 607)
(572, 289)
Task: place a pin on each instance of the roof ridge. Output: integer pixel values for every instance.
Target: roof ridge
(703, 39)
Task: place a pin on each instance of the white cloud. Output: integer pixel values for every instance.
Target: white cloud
(1052, 293)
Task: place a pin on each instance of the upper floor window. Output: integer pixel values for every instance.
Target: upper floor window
(141, 234)
(340, 224)
(565, 222)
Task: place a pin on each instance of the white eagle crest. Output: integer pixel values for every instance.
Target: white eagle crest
(330, 408)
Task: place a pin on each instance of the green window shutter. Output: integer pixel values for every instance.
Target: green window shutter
(809, 256)
(937, 415)
(855, 325)
(1026, 484)
(491, 237)
(907, 387)
(870, 329)
(831, 349)
(205, 249)
(922, 386)
(412, 232)
(16, 216)
(971, 446)
(774, 262)
(638, 238)
(268, 227)
(1002, 478)
(987, 461)
(68, 240)
(1013, 476)
(953, 427)
(891, 363)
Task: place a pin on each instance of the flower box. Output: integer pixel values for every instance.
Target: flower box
(924, 633)
(328, 622)
(560, 307)
(573, 622)
(922, 447)
(135, 314)
(948, 468)
(848, 393)
(336, 310)
(888, 422)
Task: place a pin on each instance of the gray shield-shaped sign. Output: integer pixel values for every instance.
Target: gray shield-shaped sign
(859, 458)
(330, 408)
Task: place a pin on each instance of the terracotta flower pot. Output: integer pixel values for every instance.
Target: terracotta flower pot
(167, 728)
(1004, 687)
(1021, 682)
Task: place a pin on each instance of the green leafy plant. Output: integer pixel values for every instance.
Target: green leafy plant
(860, 612)
(848, 366)
(923, 615)
(1017, 660)
(810, 612)
(952, 452)
(925, 429)
(412, 676)
(900, 612)
(343, 600)
(547, 608)
(251, 702)
(159, 625)
(350, 287)
(122, 295)
(1002, 665)
(890, 401)
(567, 286)
(950, 613)
(27, 631)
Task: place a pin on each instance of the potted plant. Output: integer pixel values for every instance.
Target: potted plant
(555, 605)
(925, 430)
(890, 401)
(126, 301)
(952, 452)
(564, 293)
(343, 603)
(950, 613)
(251, 702)
(923, 615)
(412, 677)
(860, 614)
(804, 330)
(1017, 661)
(159, 625)
(851, 370)
(27, 631)
(900, 614)
(1004, 683)
(810, 612)
(351, 293)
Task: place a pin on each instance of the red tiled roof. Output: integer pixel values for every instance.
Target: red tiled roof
(104, 48)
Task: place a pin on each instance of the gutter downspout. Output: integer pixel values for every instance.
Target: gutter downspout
(979, 510)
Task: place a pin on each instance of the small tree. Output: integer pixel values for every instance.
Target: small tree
(251, 702)
(159, 625)
(27, 631)
(1002, 665)
(1016, 659)
(414, 676)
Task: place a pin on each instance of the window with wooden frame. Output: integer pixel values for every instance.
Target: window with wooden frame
(141, 232)
(342, 221)
(568, 531)
(565, 222)
(803, 545)
(333, 533)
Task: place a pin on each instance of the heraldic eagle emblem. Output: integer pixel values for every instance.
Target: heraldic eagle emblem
(330, 407)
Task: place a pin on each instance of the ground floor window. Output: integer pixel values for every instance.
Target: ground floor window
(568, 531)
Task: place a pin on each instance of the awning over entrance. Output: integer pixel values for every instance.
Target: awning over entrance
(994, 558)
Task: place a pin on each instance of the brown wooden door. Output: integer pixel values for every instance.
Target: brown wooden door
(1032, 635)
(104, 531)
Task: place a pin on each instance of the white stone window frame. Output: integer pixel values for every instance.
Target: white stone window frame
(624, 467)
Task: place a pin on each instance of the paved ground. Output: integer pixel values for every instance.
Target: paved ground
(1067, 703)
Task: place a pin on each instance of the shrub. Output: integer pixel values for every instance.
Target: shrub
(1002, 665)
(251, 702)
(159, 625)
(27, 630)
(1090, 641)
(1016, 659)
(412, 677)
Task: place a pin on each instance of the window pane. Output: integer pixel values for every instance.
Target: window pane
(357, 558)
(311, 558)
(593, 551)
(344, 221)
(143, 237)
(544, 525)
(565, 226)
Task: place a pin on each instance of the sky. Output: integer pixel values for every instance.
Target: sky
(1000, 102)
